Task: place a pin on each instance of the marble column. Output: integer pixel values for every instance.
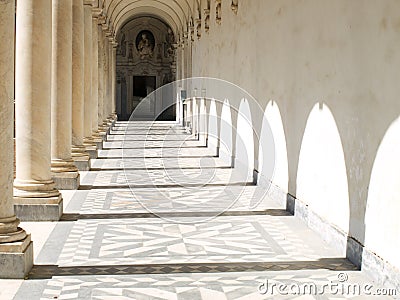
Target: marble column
(129, 96)
(106, 121)
(95, 80)
(110, 116)
(64, 172)
(114, 80)
(35, 195)
(106, 98)
(79, 154)
(16, 250)
(88, 141)
(102, 129)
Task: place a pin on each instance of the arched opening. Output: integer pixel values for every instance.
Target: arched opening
(146, 61)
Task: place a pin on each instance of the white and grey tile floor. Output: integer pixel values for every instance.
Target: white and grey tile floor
(160, 217)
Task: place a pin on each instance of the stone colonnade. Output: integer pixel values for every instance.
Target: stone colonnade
(64, 105)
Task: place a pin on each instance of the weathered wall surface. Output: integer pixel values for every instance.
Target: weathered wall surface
(332, 69)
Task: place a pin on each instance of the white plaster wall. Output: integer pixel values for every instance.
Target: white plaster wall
(299, 53)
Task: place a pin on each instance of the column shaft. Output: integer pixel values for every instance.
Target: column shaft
(101, 78)
(79, 154)
(65, 174)
(16, 254)
(114, 80)
(89, 142)
(35, 195)
(106, 86)
(95, 74)
(88, 43)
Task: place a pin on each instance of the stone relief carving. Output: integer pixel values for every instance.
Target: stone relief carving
(123, 46)
(169, 44)
(191, 28)
(198, 28)
(206, 20)
(145, 44)
(218, 12)
(235, 6)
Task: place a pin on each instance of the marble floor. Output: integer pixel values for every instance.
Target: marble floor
(160, 216)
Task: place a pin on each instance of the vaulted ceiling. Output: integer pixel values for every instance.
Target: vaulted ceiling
(176, 13)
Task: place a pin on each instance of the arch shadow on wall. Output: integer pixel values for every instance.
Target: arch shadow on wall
(213, 137)
(382, 231)
(244, 158)
(273, 160)
(226, 131)
(322, 185)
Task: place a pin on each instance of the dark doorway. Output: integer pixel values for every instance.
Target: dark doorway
(143, 86)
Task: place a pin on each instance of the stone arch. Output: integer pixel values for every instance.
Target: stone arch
(321, 176)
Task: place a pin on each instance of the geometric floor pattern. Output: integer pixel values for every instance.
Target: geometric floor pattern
(160, 216)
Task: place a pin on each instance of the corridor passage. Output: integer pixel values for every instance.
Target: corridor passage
(160, 216)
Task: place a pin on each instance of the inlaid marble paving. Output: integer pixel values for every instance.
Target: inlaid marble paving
(148, 137)
(156, 152)
(159, 163)
(153, 144)
(158, 241)
(249, 286)
(207, 199)
(164, 177)
(190, 227)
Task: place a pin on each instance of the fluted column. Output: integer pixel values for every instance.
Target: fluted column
(87, 81)
(79, 154)
(16, 251)
(35, 196)
(65, 174)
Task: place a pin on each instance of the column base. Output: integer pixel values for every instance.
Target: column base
(39, 209)
(90, 147)
(16, 258)
(80, 158)
(98, 140)
(65, 174)
(66, 180)
(37, 200)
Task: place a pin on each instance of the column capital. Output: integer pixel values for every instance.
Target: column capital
(96, 12)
